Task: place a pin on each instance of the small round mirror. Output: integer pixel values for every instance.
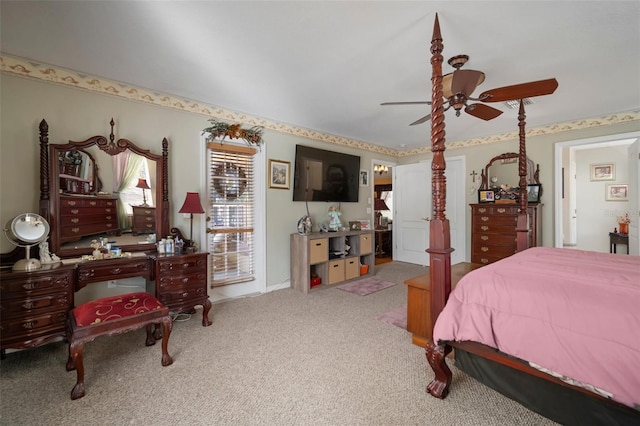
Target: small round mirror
(27, 230)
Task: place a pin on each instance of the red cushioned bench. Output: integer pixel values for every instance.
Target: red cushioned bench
(115, 315)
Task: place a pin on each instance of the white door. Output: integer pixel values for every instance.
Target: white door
(634, 197)
(456, 207)
(412, 212)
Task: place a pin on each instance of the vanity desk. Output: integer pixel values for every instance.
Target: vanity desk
(35, 304)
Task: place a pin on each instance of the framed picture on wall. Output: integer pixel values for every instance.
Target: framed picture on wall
(279, 174)
(616, 192)
(603, 171)
(364, 178)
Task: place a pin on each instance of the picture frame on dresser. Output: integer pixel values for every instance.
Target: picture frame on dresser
(486, 196)
(533, 193)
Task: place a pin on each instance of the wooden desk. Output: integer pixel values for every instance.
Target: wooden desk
(617, 238)
(419, 302)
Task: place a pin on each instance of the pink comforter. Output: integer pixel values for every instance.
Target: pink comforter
(574, 312)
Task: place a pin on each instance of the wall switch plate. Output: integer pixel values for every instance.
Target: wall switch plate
(368, 210)
(369, 201)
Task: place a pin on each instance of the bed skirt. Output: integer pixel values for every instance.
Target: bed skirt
(559, 403)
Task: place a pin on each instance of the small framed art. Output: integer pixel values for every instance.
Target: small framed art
(486, 196)
(354, 225)
(602, 171)
(365, 224)
(364, 178)
(533, 193)
(279, 174)
(616, 192)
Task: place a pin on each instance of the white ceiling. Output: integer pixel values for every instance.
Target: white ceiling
(328, 65)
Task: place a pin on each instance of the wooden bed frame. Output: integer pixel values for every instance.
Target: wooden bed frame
(440, 264)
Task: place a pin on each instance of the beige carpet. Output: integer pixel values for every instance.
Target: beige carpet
(284, 358)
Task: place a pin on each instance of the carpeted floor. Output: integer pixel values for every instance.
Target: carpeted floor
(283, 358)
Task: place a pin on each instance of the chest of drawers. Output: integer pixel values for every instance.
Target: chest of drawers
(493, 230)
(144, 220)
(80, 216)
(181, 282)
(34, 305)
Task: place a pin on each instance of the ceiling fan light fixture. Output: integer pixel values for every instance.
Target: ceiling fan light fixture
(515, 104)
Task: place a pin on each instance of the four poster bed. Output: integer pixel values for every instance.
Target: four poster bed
(554, 329)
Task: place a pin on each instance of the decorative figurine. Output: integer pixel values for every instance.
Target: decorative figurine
(304, 225)
(334, 222)
(46, 256)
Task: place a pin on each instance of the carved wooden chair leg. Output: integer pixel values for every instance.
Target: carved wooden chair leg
(436, 354)
(206, 307)
(167, 324)
(75, 363)
(151, 340)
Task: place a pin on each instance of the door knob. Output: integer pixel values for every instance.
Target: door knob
(428, 219)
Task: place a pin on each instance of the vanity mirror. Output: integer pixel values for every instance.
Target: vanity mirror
(78, 198)
(503, 170)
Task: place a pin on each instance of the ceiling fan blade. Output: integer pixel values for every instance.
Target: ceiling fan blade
(482, 111)
(407, 103)
(466, 81)
(520, 91)
(422, 120)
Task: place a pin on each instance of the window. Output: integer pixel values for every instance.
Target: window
(231, 211)
(133, 196)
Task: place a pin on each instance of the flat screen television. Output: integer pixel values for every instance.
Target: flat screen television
(321, 175)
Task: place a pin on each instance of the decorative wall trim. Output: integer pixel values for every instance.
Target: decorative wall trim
(31, 69)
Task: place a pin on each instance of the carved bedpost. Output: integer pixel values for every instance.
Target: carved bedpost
(522, 224)
(439, 233)
(164, 227)
(44, 171)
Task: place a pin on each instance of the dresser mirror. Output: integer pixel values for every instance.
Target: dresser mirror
(503, 170)
(78, 198)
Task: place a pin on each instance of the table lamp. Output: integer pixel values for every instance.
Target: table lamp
(142, 183)
(192, 206)
(379, 205)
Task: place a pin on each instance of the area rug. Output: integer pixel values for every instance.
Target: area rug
(397, 317)
(366, 286)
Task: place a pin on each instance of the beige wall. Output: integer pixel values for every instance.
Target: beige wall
(78, 114)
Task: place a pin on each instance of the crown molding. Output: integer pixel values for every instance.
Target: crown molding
(53, 74)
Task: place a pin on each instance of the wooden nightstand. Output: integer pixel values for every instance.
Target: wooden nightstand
(182, 282)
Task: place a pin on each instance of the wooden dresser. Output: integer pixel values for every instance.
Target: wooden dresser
(181, 282)
(493, 230)
(85, 215)
(144, 220)
(35, 305)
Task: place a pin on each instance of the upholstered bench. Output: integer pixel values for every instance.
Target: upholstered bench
(114, 315)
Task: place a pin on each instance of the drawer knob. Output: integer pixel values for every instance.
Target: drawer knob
(107, 210)
(75, 220)
(485, 249)
(482, 210)
(501, 210)
(484, 238)
(28, 325)
(74, 211)
(484, 218)
(75, 230)
(483, 260)
(71, 203)
(92, 203)
(484, 227)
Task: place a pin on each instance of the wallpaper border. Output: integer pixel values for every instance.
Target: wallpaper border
(49, 73)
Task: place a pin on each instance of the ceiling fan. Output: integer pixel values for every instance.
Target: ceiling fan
(458, 86)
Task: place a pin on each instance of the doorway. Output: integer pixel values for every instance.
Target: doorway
(575, 204)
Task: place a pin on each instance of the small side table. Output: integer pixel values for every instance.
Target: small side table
(617, 238)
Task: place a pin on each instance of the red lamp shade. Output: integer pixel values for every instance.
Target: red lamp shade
(379, 204)
(142, 183)
(192, 204)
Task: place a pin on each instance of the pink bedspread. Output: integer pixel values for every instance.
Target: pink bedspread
(574, 312)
